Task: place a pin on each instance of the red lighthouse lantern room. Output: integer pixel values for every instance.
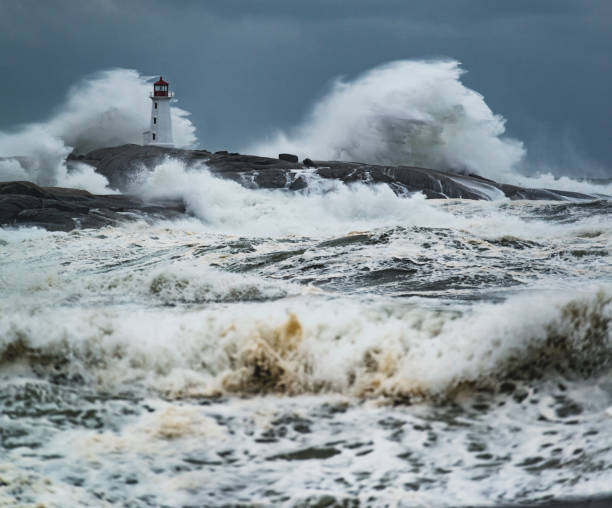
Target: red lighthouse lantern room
(160, 88)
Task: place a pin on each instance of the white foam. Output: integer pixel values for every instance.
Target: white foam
(333, 207)
(416, 112)
(550, 181)
(199, 283)
(330, 207)
(134, 311)
(309, 344)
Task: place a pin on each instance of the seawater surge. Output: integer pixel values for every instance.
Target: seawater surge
(385, 350)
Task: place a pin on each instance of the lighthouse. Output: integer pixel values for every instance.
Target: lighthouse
(160, 129)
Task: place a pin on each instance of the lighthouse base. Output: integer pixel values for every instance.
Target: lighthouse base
(147, 139)
(162, 145)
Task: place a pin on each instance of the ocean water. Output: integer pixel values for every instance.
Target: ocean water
(341, 346)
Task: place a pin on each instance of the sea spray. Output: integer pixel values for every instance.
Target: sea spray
(325, 207)
(405, 112)
(409, 112)
(105, 109)
(416, 113)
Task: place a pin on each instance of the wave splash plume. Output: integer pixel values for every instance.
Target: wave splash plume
(105, 109)
(405, 112)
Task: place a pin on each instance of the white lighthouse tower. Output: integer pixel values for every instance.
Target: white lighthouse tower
(160, 130)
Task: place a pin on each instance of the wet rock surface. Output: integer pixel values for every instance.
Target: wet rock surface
(121, 165)
(596, 502)
(60, 209)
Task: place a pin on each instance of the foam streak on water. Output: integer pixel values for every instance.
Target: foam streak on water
(386, 351)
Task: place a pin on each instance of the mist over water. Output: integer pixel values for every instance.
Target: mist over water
(325, 207)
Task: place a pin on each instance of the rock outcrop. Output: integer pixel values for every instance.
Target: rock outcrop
(121, 165)
(60, 209)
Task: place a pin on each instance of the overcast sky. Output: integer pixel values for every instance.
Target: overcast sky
(244, 68)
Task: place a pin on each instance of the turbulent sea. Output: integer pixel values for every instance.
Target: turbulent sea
(338, 347)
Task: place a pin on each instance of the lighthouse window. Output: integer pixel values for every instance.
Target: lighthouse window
(156, 105)
(154, 119)
(153, 136)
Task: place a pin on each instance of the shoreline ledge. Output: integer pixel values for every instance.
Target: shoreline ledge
(121, 163)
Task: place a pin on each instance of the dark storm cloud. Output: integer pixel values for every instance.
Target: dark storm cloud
(244, 68)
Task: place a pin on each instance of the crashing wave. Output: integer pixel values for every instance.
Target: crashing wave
(308, 347)
(407, 112)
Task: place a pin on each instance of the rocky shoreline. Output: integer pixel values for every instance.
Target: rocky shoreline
(61, 209)
(120, 164)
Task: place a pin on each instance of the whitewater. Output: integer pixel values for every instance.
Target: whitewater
(341, 345)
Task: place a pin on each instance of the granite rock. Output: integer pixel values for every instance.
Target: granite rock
(123, 165)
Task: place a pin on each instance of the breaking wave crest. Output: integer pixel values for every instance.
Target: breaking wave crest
(419, 113)
(200, 284)
(181, 282)
(325, 207)
(405, 112)
(106, 109)
(307, 346)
